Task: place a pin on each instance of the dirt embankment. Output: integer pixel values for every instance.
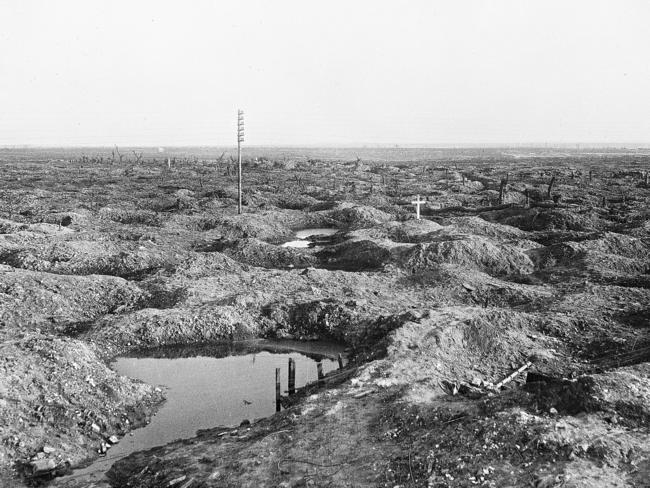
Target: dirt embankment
(60, 402)
(60, 303)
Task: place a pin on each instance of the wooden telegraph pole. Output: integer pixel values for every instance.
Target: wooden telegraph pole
(240, 139)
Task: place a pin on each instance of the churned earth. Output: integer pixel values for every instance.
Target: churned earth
(536, 260)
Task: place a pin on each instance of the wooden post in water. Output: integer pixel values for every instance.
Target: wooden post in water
(340, 358)
(319, 369)
(292, 376)
(278, 406)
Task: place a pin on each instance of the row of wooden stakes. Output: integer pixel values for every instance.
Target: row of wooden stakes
(292, 379)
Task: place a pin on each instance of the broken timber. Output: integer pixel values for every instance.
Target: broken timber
(513, 375)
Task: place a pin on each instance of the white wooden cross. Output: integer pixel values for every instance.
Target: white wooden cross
(417, 204)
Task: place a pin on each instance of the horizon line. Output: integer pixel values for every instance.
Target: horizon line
(359, 145)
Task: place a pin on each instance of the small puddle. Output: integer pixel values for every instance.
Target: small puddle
(302, 235)
(212, 386)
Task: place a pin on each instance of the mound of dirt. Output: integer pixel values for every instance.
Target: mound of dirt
(60, 303)
(358, 255)
(619, 244)
(331, 319)
(515, 197)
(471, 186)
(131, 216)
(68, 219)
(354, 216)
(596, 300)
(456, 285)
(295, 201)
(49, 229)
(81, 257)
(320, 319)
(571, 255)
(596, 452)
(626, 391)
(548, 238)
(493, 197)
(235, 227)
(376, 233)
(453, 176)
(481, 227)
(152, 327)
(258, 253)
(531, 219)
(408, 231)
(70, 402)
(439, 202)
(271, 225)
(204, 264)
(411, 230)
(365, 251)
(611, 255)
(9, 226)
(459, 343)
(481, 253)
(642, 227)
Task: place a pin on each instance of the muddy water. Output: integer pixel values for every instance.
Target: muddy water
(205, 390)
(302, 235)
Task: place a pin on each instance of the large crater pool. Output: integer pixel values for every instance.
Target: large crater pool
(213, 386)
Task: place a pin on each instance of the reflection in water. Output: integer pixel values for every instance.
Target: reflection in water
(204, 392)
(313, 349)
(303, 234)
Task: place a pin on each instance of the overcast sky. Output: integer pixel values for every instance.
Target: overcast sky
(331, 72)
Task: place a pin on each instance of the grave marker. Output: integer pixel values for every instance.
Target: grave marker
(417, 204)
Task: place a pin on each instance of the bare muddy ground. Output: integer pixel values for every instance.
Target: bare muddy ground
(527, 258)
